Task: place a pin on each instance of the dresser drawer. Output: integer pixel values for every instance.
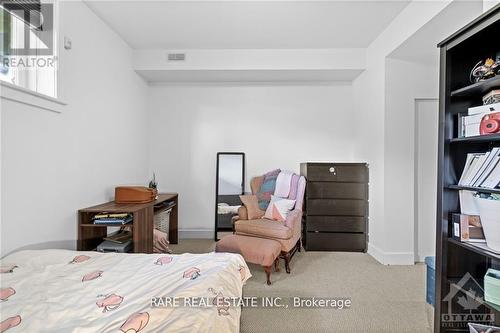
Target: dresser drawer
(337, 190)
(336, 223)
(331, 241)
(345, 207)
(331, 172)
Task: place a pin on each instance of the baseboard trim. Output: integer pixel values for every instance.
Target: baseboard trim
(376, 253)
(196, 233)
(391, 258)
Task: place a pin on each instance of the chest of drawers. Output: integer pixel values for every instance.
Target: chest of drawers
(336, 206)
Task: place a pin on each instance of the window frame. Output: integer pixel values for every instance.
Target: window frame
(22, 95)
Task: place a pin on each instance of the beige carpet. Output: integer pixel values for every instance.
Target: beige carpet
(384, 298)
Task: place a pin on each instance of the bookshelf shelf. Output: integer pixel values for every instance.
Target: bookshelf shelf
(477, 89)
(479, 138)
(475, 189)
(474, 248)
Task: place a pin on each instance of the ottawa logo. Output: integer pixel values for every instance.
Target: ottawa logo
(466, 303)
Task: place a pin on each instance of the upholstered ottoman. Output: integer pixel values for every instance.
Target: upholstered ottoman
(255, 250)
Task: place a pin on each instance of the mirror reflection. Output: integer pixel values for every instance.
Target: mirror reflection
(230, 185)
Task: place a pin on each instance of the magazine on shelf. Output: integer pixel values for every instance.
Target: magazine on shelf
(482, 170)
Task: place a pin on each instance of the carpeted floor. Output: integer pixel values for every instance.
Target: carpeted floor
(384, 298)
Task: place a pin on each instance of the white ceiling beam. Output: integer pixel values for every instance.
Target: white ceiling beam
(257, 59)
(250, 65)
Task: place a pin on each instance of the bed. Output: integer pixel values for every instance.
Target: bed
(70, 291)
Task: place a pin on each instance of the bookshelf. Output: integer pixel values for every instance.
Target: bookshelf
(454, 259)
(90, 235)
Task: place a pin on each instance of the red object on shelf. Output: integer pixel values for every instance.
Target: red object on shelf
(490, 124)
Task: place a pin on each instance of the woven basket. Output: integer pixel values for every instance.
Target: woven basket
(162, 219)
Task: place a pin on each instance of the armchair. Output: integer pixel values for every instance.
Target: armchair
(287, 233)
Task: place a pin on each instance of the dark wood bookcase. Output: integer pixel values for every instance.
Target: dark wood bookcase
(455, 259)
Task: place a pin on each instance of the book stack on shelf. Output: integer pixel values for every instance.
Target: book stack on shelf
(113, 219)
(482, 170)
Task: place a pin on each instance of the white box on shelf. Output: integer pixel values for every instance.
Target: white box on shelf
(489, 211)
(472, 122)
(468, 205)
(484, 109)
(472, 130)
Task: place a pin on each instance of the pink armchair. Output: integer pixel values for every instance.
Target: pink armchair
(288, 233)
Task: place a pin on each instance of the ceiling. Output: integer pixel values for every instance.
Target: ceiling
(249, 76)
(247, 24)
(422, 48)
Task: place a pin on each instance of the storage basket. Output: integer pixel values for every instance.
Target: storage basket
(492, 286)
(162, 219)
(489, 210)
(431, 280)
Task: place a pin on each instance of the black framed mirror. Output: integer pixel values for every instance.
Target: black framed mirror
(230, 184)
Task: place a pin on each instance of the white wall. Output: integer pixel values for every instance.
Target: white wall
(52, 164)
(371, 132)
(276, 127)
(386, 112)
(420, 81)
(488, 4)
(426, 165)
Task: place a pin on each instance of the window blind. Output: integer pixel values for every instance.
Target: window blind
(31, 10)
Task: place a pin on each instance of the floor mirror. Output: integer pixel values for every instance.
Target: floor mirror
(230, 180)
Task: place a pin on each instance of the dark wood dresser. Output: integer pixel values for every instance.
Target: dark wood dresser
(336, 206)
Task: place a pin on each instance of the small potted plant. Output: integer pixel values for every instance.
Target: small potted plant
(154, 185)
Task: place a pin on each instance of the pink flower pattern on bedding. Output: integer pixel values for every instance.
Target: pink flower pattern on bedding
(110, 302)
(5, 293)
(163, 260)
(8, 269)
(243, 272)
(9, 323)
(192, 273)
(218, 301)
(79, 259)
(135, 323)
(92, 276)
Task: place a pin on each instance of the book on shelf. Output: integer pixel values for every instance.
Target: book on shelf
(120, 236)
(118, 219)
(482, 170)
(113, 215)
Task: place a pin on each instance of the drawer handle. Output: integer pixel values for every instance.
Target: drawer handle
(332, 170)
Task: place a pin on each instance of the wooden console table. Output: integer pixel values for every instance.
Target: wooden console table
(90, 235)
